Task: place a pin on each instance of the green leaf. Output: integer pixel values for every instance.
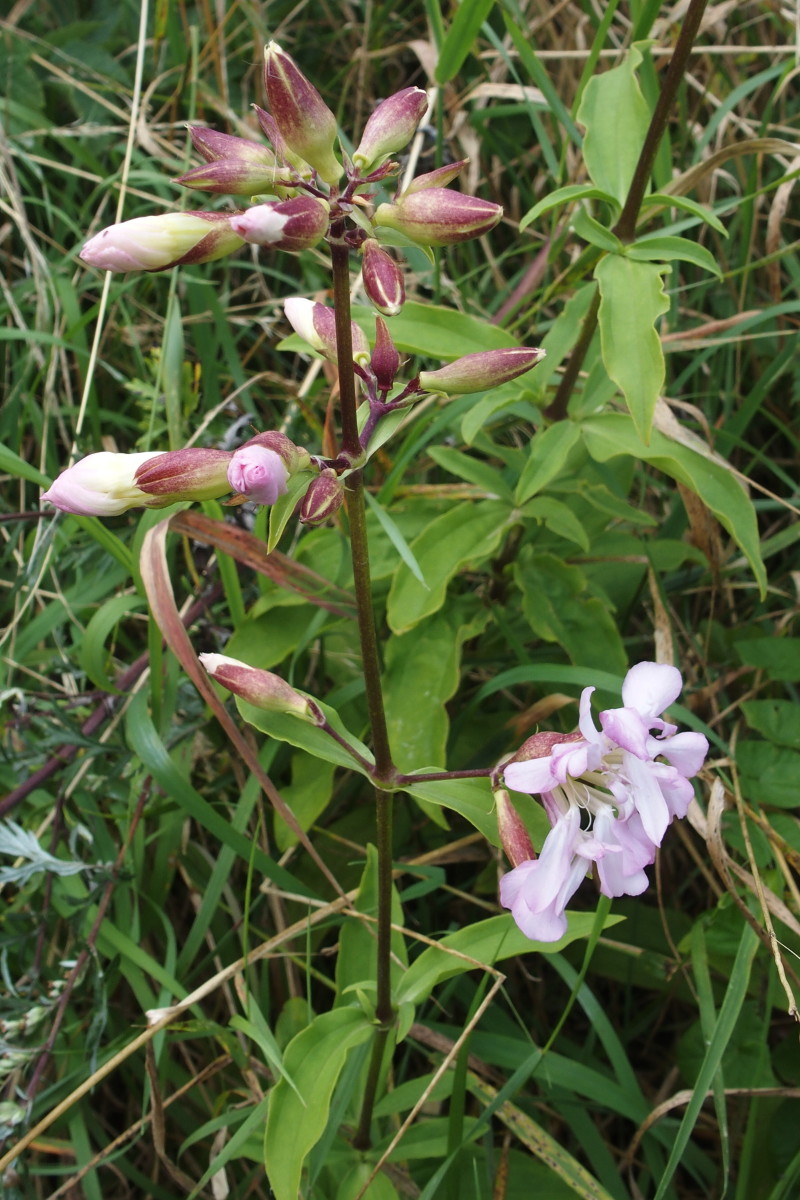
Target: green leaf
(610, 434)
(466, 533)
(616, 117)
(471, 798)
(632, 299)
(300, 733)
(559, 519)
(92, 654)
(307, 796)
(473, 470)
(575, 191)
(594, 233)
(460, 36)
(779, 657)
(282, 511)
(663, 199)
(770, 774)
(486, 942)
(558, 342)
(778, 720)
(356, 963)
(422, 673)
(395, 537)
(296, 1120)
(556, 605)
(549, 450)
(664, 249)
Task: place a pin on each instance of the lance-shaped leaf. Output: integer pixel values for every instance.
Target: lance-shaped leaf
(296, 1119)
(632, 298)
(615, 115)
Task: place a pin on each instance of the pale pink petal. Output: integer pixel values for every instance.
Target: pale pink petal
(651, 687)
(625, 727)
(532, 776)
(685, 751)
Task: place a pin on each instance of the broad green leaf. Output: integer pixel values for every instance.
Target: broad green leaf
(616, 116)
(460, 36)
(394, 535)
(305, 736)
(663, 199)
(779, 657)
(484, 407)
(266, 640)
(770, 774)
(422, 672)
(473, 470)
(575, 191)
(556, 605)
(472, 798)
(610, 434)
(632, 299)
(356, 963)
(594, 232)
(549, 450)
(778, 720)
(307, 795)
(559, 519)
(486, 942)
(664, 249)
(466, 533)
(353, 1186)
(296, 1120)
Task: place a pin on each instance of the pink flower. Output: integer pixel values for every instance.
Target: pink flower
(609, 795)
(258, 473)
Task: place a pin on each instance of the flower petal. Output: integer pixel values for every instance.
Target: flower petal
(651, 687)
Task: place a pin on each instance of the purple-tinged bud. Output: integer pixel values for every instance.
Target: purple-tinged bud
(385, 360)
(303, 119)
(284, 154)
(193, 473)
(439, 216)
(316, 324)
(159, 242)
(258, 474)
(294, 225)
(477, 372)
(295, 458)
(383, 279)
(106, 484)
(324, 497)
(260, 688)
(514, 837)
(234, 166)
(540, 745)
(391, 126)
(436, 179)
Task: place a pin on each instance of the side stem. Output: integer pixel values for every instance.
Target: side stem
(625, 228)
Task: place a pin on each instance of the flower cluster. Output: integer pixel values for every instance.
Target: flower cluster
(609, 794)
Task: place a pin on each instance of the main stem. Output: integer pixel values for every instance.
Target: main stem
(384, 767)
(625, 228)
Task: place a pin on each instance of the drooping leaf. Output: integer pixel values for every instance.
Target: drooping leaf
(632, 299)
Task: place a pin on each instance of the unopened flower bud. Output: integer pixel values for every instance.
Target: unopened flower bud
(258, 473)
(477, 372)
(390, 127)
(106, 484)
(298, 165)
(436, 179)
(316, 324)
(514, 837)
(260, 688)
(383, 279)
(324, 497)
(303, 118)
(233, 166)
(385, 360)
(159, 242)
(294, 225)
(439, 216)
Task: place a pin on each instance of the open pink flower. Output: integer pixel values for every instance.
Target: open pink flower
(258, 473)
(609, 793)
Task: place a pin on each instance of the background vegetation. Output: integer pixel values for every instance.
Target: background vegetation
(138, 855)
